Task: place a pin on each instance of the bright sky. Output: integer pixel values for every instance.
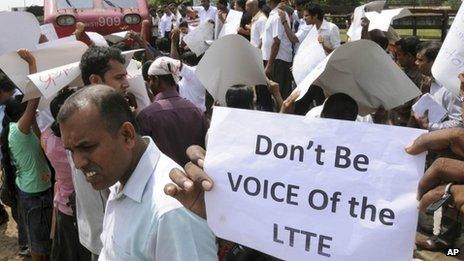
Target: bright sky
(5, 5)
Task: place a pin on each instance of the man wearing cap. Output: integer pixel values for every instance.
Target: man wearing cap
(174, 123)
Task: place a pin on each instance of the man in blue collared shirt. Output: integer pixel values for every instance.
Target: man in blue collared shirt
(141, 222)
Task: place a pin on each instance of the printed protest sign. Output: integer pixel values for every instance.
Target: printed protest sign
(320, 190)
(450, 60)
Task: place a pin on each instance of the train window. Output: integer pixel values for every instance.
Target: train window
(78, 4)
(120, 3)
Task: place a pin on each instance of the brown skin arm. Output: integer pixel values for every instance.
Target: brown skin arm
(28, 118)
(274, 50)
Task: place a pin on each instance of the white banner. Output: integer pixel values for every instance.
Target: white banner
(312, 191)
(220, 69)
(450, 60)
(309, 55)
(355, 30)
(196, 39)
(231, 24)
(382, 21)
(18, 30)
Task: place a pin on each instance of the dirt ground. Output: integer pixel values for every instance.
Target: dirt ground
(9, 241)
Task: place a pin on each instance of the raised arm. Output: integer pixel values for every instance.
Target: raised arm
(28, 118)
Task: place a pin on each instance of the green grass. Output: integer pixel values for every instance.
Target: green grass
(424, 34)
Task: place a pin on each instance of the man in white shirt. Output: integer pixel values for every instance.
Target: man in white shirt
(258, 21)
(141, 222)
(277, 53)
(190, 86)
(426, 54)
(166, 22)
(329, 34)
(206, 12)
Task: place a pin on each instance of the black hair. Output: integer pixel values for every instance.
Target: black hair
(408, 45)
(431, 49)
(55, 106)
(340, 106)
(167, 78)
(223, 2)
(113, 108)
(315, 9)
(190, 58)
(96, 61)
(241, 3)
(183, 24)
(240, 97)
(6, 85)
(301, 2)
(379, 37)
(13, 111)
(314, 97)
(145, 68)
(163, 45)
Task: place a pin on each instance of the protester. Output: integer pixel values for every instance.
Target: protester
(159, 227)
(166, 23)
(32, 171)
(329, 34)
(206, 12)
(258, 22)
(173, 123)
(66, 244)
(426, 54)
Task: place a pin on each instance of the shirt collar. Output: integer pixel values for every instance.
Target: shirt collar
(135, 186)
(166, 95)
(257, 16)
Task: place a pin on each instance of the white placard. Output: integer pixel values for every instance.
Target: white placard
(49, 31)
(309, 55)
(355, 30)
(219, 69)
(436, 113)
(97, 39)
(231, 24)
(196, 39)
(17, 69)
(58, 42)
(367, 73)
(450, 60)
(313, 191)
(51, 81)
(18, 30)
(116, 37)
(382, 21)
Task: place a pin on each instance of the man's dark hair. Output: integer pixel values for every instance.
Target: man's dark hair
(223, 2)
(190, 58)
(340, 106)
(431, 49)
(168, 79)
(183, 24)
(241, 3)
(379, 38)
(145, 68)
(301, 2)
(315, 9)
(163, 45)
(240, 97)
(96, 61)
(55, 106)
(113, 108)
(6, 85)
(408, 45)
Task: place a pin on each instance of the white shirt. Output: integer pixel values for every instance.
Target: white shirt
(448, 101)
(331, 34)
(143, 223)
(206, 15)
(90, 209)
(191, 88)
(165, 24)
(257, 28)
(272, 29)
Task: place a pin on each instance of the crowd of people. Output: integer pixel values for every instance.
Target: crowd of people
(108, 179)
